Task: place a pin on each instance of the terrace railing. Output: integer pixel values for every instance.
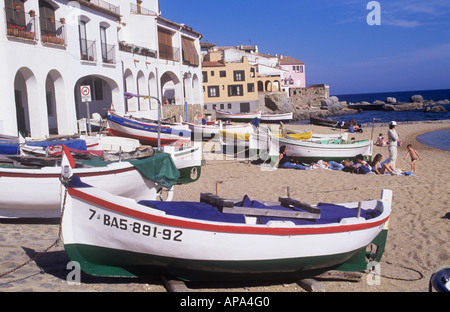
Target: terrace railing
(52, 31)
(170, 53)
(106, 5)
(88, 50)
(108, 53)
(20, 24)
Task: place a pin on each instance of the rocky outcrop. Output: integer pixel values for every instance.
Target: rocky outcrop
(276, 102)
(434, 109)
(402, 106)
(416, 99)
(279, 102)
(391, 100)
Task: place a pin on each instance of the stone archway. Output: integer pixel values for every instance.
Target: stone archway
(171, 89)
(104, 92)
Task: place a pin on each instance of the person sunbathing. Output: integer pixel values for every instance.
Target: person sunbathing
(381, 168)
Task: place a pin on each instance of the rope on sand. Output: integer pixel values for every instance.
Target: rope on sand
(421, 276)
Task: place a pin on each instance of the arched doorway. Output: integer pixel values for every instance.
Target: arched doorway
(27, 104)
(142, 89)
(103, 93)
(260, 86)
(54, 95)
(171, 88)
(153, 90)
(21, 99)
(196, 88)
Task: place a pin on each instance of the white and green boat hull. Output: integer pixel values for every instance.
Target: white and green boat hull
(114, 236)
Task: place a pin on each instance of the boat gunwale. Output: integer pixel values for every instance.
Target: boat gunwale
(210, 226)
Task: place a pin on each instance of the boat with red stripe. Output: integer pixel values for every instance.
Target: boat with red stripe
(218, 239)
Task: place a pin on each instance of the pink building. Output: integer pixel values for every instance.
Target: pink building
(295, 75)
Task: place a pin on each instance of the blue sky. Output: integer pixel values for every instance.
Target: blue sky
(409, 51)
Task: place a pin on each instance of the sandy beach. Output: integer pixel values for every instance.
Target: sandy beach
(418, 241)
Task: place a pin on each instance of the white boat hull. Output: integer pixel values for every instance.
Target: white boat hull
(197, 249)
(201, 132)
(313, 150)
(147, 132)
(274, 118)
(35, 193)
(240, 117)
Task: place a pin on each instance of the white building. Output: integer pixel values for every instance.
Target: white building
(49, 49)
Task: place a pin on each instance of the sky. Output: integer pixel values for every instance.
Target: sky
(409, 50)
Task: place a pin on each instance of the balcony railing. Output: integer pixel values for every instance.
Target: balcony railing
(20, 24)
(88, 50)
(52, 31)
(132, 48)
(108, 53)
(137, 9)
(105, 5)
(169, 53)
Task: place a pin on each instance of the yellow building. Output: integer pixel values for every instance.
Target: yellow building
(234, 86)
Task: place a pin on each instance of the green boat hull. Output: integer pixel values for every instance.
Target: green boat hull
(107, 262)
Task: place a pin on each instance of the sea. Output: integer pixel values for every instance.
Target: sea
(437, 139)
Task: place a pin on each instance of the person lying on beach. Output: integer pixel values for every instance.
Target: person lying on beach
(414, 156)
(349, 166)
(327, 165)
(379, 168)
(360, 167)
(284, 161)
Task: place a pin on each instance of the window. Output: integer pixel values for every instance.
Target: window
(166, 50)
(229, 106)
(205, 76)
(223, 74)
(190, 55)
(212, 73)
(235, 90)
(213, 91)
(250, 87)
(239, 75)
(222, 106)
(83, 40)
(301, 69)
(103, 43)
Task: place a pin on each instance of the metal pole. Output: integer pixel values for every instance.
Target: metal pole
(88, 117)
(159, 122)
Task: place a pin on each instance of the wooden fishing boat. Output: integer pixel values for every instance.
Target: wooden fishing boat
(318, 121)
(9, 146)
(238, 117)
(188, 160)
(211, 131)
(147, 131)
(15, 145)
(29, 186)
(254, 144)
(321, 149)
(217, 239)
(277, 118)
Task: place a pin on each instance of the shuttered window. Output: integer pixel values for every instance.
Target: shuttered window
(190, 55)
(165, 44)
